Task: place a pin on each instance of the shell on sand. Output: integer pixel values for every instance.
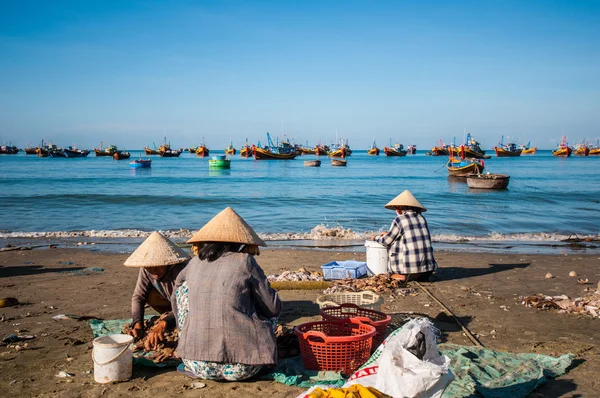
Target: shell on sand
(572, 273)
(583, 281)
(549, 276)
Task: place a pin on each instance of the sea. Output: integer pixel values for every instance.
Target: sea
(552, 205)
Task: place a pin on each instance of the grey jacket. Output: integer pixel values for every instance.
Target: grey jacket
(230, 300)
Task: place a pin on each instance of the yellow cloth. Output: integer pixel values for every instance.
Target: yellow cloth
(354, 391)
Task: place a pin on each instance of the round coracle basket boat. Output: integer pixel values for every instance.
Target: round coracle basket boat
(312, 163)
(488, 181)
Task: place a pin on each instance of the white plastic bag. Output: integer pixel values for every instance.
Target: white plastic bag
(395, 370)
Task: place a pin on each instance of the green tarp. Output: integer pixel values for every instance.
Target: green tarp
(478, 371)
(495, 374)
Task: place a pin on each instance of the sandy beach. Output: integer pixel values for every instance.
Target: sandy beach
(481, 289)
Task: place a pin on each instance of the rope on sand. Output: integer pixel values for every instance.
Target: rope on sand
(450, 313)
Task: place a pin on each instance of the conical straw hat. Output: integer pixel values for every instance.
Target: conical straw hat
(405, 199)
(156, 251)
(227, 226)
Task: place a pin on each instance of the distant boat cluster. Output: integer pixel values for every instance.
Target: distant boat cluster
(285, 149)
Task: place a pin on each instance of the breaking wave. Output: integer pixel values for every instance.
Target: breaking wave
(319, 232)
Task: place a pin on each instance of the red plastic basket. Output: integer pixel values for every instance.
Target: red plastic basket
(371, 317)
(339, 345)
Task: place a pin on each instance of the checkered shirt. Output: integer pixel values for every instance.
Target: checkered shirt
(409, 245)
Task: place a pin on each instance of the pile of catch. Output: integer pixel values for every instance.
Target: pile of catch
(381, 283)
(301, 275)
(165, 349)
(287, 342)
(589, 304)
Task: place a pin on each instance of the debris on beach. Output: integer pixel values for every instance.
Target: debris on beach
(300, 275)
(586, 305)
(15, 338)
(381, 283)
(8, 302)
(62, 374)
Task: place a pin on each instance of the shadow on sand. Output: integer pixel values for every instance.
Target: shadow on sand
(25, 270)
(453, 273)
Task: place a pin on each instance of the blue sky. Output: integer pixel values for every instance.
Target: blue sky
(131, 72)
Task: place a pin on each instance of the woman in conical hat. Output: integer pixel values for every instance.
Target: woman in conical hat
(159, 261)
(408, 241)
(224, 305)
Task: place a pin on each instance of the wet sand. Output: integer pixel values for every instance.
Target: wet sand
(481, 289)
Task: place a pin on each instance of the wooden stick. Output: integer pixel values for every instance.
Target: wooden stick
(450, 313)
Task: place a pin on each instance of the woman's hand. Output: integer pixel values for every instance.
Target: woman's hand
(137, 331)
(379, 234)
(156, 335)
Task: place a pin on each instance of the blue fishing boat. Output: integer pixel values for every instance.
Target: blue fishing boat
(141, 163)
(463, 167)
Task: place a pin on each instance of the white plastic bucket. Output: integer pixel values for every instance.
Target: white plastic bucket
(377, 258)
(113, 358)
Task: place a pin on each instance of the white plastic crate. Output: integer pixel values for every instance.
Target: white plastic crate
(344, 269)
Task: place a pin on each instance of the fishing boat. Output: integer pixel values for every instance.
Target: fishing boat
(395, 150)
(141, 163)
(581, 149)
(307, 151)
(230, 150)
(373, 150)
(322, 150)
(595, 150)
(527, 150)
(169, 153)
(563, 150)
(312, 163)
(440, 150)
(165, 150)
(507, 150)
(340, 149)
(463, 167)
(246, 150)
(219, 162)
(202, 150)
(488, 181)
(73, 152)
(412, 149)
(149, 151)
(338, 162)
(121, 155)
(8, 150)
(470, 149)
(283, 151)
(110, 151)
(55, 152)
(30, 150)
